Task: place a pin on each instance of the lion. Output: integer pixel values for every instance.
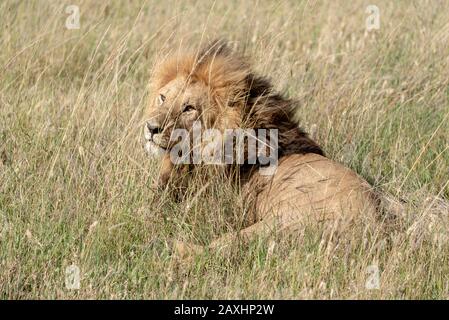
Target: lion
(217, 87)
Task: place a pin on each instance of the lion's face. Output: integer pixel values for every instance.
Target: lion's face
(176, 105)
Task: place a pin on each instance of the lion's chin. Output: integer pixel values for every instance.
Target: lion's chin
(153, 150)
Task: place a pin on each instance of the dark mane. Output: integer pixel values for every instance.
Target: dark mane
(270, 110)
(262, 107)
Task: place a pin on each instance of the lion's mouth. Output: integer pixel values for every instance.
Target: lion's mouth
(154, 144)
(153, 149)
(151, 146)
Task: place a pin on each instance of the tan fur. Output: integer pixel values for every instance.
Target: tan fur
(227, 94)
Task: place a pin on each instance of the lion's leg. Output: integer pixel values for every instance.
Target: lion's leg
(165, 172)
(262, 228)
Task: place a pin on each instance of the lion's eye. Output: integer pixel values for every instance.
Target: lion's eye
(160, 99)
(188, 108)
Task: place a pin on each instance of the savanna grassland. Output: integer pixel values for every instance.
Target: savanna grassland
(75, 183)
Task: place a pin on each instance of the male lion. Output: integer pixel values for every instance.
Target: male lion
(217, 88)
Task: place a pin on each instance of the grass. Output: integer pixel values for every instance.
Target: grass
(75, 182)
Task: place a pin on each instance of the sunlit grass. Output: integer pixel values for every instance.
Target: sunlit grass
(75, 182)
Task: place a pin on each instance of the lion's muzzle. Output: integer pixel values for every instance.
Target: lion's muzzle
(153, 140)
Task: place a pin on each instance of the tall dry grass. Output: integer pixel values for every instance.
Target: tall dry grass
(75, 182)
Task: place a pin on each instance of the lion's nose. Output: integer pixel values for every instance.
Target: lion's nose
(154, 127)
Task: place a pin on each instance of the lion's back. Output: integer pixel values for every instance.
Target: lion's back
(316, 188)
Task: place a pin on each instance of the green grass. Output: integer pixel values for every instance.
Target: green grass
(75, 182)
